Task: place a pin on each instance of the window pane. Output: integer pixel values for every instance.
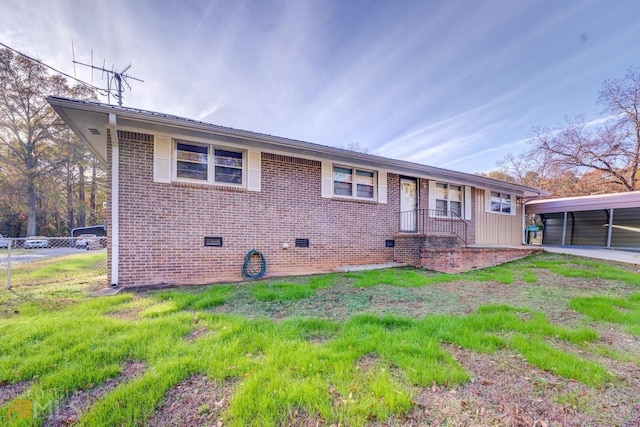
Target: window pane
(506, 203)
(342, 188)
(495, 202)
(192, 161)
(342, 174)
(364, 177)
(456, 208)
(441, 191)
(365, 191)
(192, 153)
(228, 158)
(455, 193)
(441, 207)
(229, 175)
(191, 170)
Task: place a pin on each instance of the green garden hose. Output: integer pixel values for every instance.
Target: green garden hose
(254, 266)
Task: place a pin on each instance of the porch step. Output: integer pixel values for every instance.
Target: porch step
(408, 246)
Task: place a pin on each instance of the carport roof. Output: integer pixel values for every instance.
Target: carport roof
(585, 203)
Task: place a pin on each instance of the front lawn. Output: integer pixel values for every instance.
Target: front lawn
(552, 340)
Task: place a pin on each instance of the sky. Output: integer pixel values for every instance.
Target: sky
(456, 84)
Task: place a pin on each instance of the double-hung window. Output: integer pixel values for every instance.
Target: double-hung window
(449, 199)
(500, 203)
(352, 182)
(204, 163)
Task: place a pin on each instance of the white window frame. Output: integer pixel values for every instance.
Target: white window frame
(462, 200)
(210, 164)
(354, 183)
(505, 198)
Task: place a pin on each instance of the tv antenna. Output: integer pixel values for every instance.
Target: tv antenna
(115, 79)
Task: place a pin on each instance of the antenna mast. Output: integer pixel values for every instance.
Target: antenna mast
(114, 78)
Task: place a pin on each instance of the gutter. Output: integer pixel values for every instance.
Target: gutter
(397, 166)
(115, 200)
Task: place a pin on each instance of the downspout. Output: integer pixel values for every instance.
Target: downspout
(115, 200)
(524, 223)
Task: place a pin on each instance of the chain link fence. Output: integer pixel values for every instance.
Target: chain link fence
(53, 264)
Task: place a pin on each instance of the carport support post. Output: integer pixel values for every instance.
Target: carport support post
(9, 265)
(610, 228)
(564, 228)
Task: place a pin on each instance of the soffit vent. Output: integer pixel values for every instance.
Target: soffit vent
(94, 131)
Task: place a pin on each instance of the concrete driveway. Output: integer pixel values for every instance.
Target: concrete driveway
(626, 257)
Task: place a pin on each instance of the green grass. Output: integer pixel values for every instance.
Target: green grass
(287, 291)
(402, 277)
(54, 282)
(567, 266)
(624, 311)
(353, 371)
(196, 299)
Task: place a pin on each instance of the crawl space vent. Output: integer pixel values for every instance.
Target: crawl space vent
(213, 241)
(302, 243)
(389, 243)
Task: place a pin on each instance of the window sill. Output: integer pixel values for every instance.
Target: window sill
(501, 213)
(207, 186)
(354, 200)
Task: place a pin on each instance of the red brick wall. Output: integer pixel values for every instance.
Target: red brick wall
(162, 226)
(464, 259)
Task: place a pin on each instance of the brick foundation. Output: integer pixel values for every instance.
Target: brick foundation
(459, 260)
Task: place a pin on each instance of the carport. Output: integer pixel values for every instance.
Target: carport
(605, 220)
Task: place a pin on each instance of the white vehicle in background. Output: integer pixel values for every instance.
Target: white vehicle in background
(83, 240)
(4, 243)
(36, 242)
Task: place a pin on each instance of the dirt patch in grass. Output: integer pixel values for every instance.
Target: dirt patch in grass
(11, 391)
(197, 401)
(300, 418)
(69, 409)
(197, 333)
(619, 340)
(506, 391)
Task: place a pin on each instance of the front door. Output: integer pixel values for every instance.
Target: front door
(408, 205)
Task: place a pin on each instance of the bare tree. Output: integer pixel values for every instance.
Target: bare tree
(580, 157)
(613, 148)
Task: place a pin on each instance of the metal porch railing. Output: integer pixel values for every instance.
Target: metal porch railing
(433, 222)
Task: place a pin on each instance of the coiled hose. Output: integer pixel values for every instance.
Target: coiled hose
(254, 266)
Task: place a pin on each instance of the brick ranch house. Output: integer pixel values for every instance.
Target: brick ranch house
(187, 200)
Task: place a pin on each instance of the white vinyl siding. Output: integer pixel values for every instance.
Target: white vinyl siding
(497, 229)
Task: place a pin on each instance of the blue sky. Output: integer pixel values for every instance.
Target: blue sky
(454, 84)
